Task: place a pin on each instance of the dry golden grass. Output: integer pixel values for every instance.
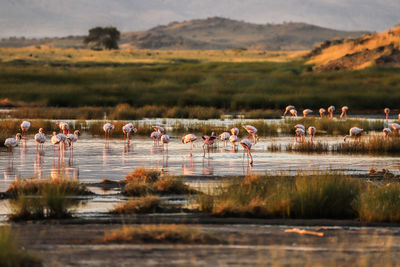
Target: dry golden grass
(143, 175)
(142, 56)
(159, 234)
(368, 42)
(147, 204)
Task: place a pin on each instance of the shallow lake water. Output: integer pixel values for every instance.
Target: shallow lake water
(94, 159)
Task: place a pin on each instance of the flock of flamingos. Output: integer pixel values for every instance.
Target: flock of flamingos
(159, 135)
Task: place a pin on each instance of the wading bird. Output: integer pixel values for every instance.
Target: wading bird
(288, 109)
(224, 137)
(387, 132)
(307, 112)
(165, 140)
(40, 138)
(127, 129)
(395, 127)
(235, 131)
(252, 132)
(158, 129)
(354, 131)
(208, 141)
(331, 110)
(300, 133)
(107, 128)
(59, 139)
(233, 139)
(25, 125)
(189, 138)
(300, 126)
(312, 131)
(293, 112)
(156, 137)
(64, 127)
(344, 112)
(246, 144)
(10, 143)
(387, 111)
(72, 138)
(322, 112)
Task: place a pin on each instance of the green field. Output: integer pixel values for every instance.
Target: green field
(185, 82)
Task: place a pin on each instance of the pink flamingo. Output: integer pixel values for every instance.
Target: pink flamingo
(233, 139)
(395, 127)
(235, 131)
(252, 132)
(25, 125)
(300, 133)
(156, 137)
(293, 112)
(158, 129)
(354, 131)
(331, 109)
(107, 128)
(10, 143)
(64, 127)
(288, 109)
(246, 144)
(208, 141)
(322, 112)
(224, 137)
(387, 132)
(189, 138)
(165, 140)
(312, 131)
(307, 112)
(127, 129)
(40, 138)
(344, 112)
(387, 111)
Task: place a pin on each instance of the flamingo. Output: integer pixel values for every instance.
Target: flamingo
(387, 111)
(64, 127)
(208, 141)
(127, 129)
(40, 138)
(158, 129)
(59, 139)
(307, 112)
(300, 133)
(293, 112)
(288, 109)
(224, 137)
(156, 137)
(233, 139)
(25, 125)
(246, 144)
(395, 127)
(72, 138)
(331, 109)
(344, 112)
(252, 132)
(312, 131)
(322, 112)
(387, 132)
(235, 131)
(165, 140)
(107, 128)
(301, 126)
(189, 138)
(10, 143)
(354, 131)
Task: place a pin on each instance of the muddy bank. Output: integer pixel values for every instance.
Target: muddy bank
(67, 245)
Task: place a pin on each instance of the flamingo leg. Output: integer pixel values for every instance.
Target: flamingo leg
(251, 157)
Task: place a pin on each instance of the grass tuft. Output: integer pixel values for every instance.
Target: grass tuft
(147, 204)
(159, 234)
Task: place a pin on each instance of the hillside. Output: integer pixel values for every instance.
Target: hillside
(212, 33)
(377, 49)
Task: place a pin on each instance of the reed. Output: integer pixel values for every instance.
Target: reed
(374, 144)
(159, 234)
(146, 204)
(308, 147)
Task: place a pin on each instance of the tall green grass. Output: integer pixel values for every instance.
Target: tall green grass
(11, 253)
(222, 85)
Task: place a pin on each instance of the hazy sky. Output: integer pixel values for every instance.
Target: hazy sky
(38, 18)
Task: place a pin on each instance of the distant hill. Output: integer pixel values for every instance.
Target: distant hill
(376, 49)
(212, 33)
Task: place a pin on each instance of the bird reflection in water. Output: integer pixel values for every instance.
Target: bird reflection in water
(106, 153)
(38, 165)
(247, 169)
(208, 169)
(164, 160)
(188, 166)
(10, 173)
(125, 152)
(60, 170)
(23, 152)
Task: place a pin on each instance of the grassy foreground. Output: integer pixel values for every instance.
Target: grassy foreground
(54, 79)
(10, 252)
(321, 195)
